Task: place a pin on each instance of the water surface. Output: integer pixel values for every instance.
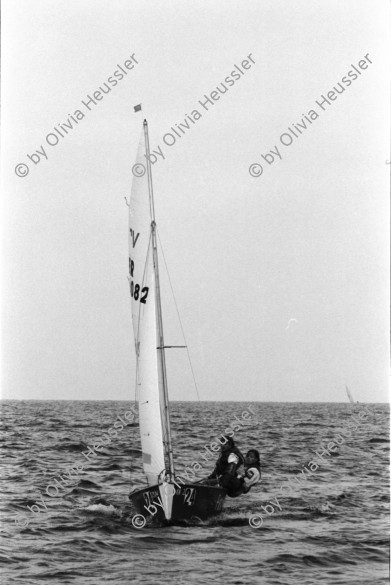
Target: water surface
(332, 527)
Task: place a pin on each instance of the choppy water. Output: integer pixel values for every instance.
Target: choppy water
(333, 526)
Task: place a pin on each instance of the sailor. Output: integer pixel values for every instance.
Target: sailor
(247, 475)
(226, 467)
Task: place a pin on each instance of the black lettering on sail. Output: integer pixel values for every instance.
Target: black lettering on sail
(133, 239)
(131, 267)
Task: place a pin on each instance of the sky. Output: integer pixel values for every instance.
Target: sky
(281, 279)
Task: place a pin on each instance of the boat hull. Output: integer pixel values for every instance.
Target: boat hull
(190, 501)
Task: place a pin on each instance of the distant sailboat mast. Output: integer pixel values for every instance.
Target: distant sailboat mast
(161, 346)
(349, 395)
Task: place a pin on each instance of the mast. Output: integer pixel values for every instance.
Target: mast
(160, 348)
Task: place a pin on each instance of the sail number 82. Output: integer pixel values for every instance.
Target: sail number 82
(138, 293)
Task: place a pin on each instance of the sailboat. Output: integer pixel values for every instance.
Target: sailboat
(350, 396)
(164, 498)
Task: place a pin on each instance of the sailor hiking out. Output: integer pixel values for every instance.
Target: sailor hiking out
(247, 475)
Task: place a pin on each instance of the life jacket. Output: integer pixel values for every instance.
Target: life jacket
(226, 466)
(251, 477)
(223, 464)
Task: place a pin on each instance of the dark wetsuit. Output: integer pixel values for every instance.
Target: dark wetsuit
(226, 468)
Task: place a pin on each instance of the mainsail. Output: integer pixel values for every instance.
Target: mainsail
(142, 280)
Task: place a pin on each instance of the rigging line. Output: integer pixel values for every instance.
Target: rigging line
(179, 317)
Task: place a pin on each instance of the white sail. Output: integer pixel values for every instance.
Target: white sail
(143, 299)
